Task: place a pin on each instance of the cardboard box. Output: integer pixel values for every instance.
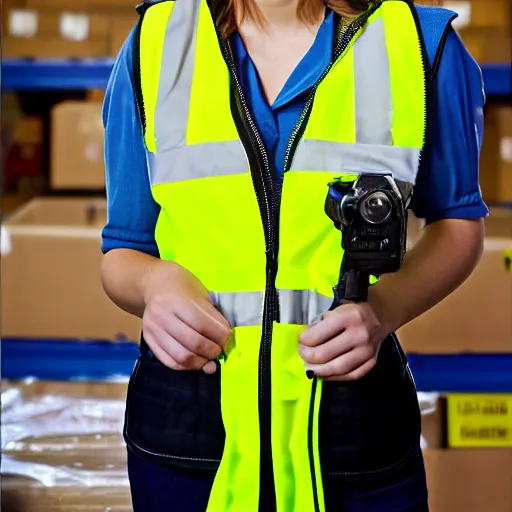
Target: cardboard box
(91, 5)
(481, 13)
(121, 28)
(469, 480)
(27, 495)
(11, 202)
(496, 158)
(16, 4)
(475, 318)
(51, 277)
(77, 160)
(488, 45)
(499, 222)
(68, 24)
(49, 33)
(33, 388)
(53, 48)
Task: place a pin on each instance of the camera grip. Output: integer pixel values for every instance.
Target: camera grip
(353, 287)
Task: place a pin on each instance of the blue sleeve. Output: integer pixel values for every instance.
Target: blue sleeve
(131, 211)
(447, 185)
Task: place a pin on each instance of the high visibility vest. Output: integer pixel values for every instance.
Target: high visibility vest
(267, 252)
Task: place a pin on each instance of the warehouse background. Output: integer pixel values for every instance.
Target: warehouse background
(67, 351)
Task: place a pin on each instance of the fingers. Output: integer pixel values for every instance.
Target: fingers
(170, 352)
(330, 350)
(324, 353)
(350, 366)
(332, 324)
(192, 340)
(203, 318)
(357, 374)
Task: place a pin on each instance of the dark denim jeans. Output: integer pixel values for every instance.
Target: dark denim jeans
(158, 488)
(369, 437)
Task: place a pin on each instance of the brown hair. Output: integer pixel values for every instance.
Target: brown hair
(226, 12)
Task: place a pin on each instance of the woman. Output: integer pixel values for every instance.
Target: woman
(225, 121)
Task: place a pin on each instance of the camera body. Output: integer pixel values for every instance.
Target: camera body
(371, 211)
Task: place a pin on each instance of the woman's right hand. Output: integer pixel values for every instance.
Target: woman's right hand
(180, 324)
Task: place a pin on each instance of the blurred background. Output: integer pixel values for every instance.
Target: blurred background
(67, 352)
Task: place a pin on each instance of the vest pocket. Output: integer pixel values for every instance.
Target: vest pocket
(174, 417)
(370, 427)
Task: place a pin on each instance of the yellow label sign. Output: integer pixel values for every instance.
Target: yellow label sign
(479, 420)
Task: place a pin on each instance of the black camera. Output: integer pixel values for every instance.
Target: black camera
(371, 212)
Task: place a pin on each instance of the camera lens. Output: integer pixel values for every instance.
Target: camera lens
(376, 208)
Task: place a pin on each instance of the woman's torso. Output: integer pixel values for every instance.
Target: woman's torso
(367, 428)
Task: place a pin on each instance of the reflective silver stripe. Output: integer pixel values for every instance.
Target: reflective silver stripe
(198, 161)
(228, 158)
(340, 158)
(373, 99)
(174, 160)
(242, 309)
(178, 58)
(302, 307)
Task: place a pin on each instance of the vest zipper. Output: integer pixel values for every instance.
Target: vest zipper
(137, 79)
(269, 201)
(264, 187)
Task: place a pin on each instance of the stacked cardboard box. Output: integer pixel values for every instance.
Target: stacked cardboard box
(467, 449)
(468, 437)
(58, 29)
(485, 27)
(51, 274)
(496, 158)
(476, 317)
(76, 152)
(469, 480)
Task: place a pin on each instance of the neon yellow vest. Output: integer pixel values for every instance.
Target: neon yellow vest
(270, 258)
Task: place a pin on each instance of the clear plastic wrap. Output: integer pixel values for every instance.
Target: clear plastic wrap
(62, 447)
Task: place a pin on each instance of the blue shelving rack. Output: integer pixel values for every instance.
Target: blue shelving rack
(94, 74)
(65, 360)
(30, 75)
(497, 79)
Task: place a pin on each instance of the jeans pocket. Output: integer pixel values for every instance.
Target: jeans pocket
(372, 425)
(174, 417)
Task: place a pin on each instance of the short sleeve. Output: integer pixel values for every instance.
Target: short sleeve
(447, 185)
(131, 210)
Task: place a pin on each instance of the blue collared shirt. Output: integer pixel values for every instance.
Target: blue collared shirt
(447, 183)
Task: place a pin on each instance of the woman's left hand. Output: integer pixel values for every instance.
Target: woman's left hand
(344, 345)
